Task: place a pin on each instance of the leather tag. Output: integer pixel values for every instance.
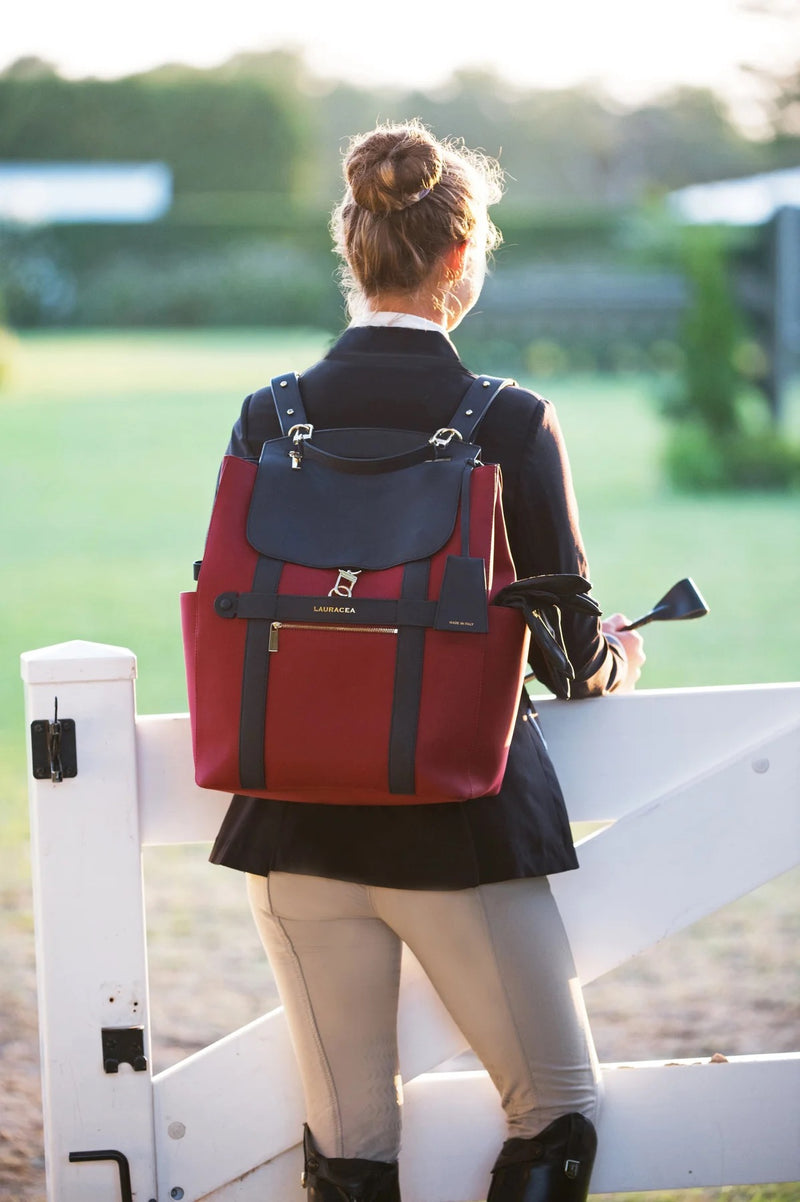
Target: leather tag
(463, 604)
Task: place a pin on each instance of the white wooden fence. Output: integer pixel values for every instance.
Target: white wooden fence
(702, 788)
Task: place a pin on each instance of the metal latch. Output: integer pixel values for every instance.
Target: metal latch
(123, 1045)
(53, 751)
(345, 582)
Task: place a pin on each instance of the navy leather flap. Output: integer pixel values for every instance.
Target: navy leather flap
(346, 512)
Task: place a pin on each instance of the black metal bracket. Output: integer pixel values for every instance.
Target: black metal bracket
(123, 1045)
(122, 1165)
(53, 750)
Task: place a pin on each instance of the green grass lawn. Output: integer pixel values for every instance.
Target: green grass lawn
(110, 447)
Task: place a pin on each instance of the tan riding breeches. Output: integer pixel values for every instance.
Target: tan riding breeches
(498, 957)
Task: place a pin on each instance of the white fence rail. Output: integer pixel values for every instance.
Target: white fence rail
(677, 773)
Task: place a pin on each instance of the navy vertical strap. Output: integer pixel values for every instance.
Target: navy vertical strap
(255, 674)
(466, 496)
(407, 685)
(288, 402)
(475, 403)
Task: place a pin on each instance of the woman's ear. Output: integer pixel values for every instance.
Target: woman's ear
(455, 259)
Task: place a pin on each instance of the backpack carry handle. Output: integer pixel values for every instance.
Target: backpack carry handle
(360, 466)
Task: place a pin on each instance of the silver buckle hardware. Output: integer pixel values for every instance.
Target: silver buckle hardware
(572, 1168)
(301, 432)
(345, 582)
(444, 436)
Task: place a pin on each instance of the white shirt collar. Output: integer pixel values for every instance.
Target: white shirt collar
(408, 321)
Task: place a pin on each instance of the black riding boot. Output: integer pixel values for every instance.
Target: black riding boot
(553, 1167)
(343, 1180)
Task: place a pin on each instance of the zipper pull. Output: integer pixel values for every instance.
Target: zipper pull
(274, 627)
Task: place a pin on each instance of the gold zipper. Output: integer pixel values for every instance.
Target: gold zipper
(276, 626)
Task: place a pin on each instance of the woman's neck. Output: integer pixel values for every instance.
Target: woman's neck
(397, 302)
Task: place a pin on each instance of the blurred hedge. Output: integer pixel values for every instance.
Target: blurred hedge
(224, 259)
(256, 283)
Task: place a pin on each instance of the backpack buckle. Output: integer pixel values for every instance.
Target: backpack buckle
(300, 432)
(345, 582)
(439, 439)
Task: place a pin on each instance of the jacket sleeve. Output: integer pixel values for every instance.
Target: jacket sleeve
(240, 443)
(546, 537)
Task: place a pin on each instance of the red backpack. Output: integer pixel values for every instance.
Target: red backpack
(344, 643)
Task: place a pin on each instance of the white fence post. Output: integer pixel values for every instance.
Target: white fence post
(90, 932)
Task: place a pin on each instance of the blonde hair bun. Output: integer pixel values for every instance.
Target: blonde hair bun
(393, 167)
(409, 199)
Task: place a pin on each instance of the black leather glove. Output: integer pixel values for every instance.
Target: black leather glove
(541, 599)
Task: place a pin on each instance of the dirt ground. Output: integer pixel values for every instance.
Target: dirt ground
(727, 985)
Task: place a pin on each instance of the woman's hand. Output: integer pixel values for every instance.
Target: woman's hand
(633, 646)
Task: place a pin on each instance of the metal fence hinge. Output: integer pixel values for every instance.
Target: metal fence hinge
(53, 750)
(123, 1045)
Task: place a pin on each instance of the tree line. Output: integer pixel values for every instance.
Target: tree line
(261, 124)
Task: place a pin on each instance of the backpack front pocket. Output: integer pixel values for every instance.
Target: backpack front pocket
(336, 683)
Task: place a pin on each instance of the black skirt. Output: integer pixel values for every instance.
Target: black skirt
(522, 832)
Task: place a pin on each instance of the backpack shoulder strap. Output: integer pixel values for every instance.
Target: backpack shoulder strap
(473, 408)
(475, 404)
(288, 402)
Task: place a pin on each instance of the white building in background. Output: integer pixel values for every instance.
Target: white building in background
(49, 193)
(749, 201)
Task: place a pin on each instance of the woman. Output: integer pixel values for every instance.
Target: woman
(335, 889)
